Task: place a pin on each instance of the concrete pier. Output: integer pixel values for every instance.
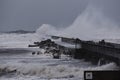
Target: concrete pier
(102, 52)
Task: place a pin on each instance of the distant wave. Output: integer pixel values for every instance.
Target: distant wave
(20, 32)
(17, 40)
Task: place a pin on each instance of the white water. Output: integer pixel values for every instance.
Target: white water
(17, 40)
(39, 67)
(44, 67)
(91, 24)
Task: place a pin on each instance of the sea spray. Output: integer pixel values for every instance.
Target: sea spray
(46, 29)
(92, 24)
(89, 25)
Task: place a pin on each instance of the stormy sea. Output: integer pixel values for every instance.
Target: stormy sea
(18, 63)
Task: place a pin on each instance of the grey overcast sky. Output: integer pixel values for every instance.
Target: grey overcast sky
(30, 14)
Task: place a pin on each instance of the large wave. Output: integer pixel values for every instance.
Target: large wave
(90, 24)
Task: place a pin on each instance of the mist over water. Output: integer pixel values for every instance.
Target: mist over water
(90, 24)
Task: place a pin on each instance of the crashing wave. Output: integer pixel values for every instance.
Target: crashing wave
(51, 71)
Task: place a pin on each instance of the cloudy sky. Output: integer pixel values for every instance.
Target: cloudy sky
(30, 14)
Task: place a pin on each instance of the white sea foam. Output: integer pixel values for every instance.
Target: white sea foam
(44, 67)
(59, 71)
(17, 40)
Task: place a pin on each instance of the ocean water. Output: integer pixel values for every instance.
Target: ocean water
(18, 63)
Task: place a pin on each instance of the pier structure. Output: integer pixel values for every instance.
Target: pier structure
(97, 52)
